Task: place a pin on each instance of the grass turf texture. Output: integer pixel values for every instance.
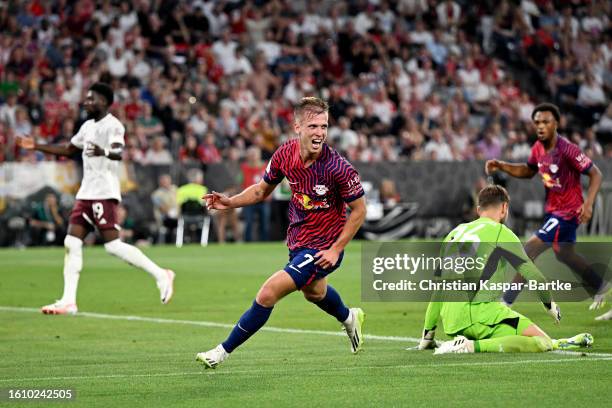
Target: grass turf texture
(141, 363)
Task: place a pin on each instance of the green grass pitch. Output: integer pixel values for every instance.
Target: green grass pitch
(115, 362)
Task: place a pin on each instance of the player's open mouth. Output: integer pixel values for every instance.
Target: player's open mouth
(316, 143)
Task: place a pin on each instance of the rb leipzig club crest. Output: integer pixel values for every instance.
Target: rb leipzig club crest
(320, 189)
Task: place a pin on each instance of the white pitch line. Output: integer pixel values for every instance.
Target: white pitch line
(260, 372)
(265, 328)
(580, 353)
(210, 324)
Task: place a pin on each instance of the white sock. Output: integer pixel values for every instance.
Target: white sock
(73, 263)
(134, 256)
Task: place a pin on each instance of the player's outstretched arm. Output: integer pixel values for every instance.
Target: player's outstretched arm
(328, 258)
(518, 170)
(251, 195)
(59, 150)
(586, 211)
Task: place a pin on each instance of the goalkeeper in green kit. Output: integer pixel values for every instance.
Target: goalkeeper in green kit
(482, 324)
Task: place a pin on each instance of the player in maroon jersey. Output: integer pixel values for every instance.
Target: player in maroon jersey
(560, 164)
(322, 185)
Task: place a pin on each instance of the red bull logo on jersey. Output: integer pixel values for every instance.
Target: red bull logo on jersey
(309, 203)
(549, 181)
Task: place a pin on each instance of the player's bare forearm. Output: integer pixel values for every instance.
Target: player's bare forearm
(518, 170)
(59, 150)
(252, 195)
(595, 177)
(353, 223)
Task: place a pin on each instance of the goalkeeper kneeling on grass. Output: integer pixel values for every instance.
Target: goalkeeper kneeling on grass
(482, 324)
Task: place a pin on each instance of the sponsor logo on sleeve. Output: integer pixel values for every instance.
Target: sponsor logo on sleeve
(582, 160)
(354, 186)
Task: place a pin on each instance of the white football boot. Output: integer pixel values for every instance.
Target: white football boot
(353, 327)
(457, 345)
(212, 358)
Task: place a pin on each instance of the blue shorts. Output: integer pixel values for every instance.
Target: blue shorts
(556, 229)
(302, 269)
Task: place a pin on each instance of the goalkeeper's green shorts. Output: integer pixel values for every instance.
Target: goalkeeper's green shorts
(512, 324)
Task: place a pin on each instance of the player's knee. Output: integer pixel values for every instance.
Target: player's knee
(266, 297)
(114, 247)
(73, 244)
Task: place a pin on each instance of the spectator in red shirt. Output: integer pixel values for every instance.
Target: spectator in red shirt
(252, 171)
(191, 152)
(210, 153)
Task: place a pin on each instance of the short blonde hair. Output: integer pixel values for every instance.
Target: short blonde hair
(310, 104)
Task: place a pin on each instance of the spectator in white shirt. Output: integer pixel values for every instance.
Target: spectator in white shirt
(420, 35)
(8, 111)
(128, 17)
(118, 63)
(437, 148)
(470, 79)
(241, 64)
(158, 154)
(342, 136)
(105, 14)
(449, 14)
(224, 50)
(590, 93)
(270, 48)
(23, 127)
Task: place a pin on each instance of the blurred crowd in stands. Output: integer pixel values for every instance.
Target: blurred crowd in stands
(200, 82)
(406, 79)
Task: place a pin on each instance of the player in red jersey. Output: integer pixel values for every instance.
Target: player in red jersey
(560, 164)
(322, 184)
